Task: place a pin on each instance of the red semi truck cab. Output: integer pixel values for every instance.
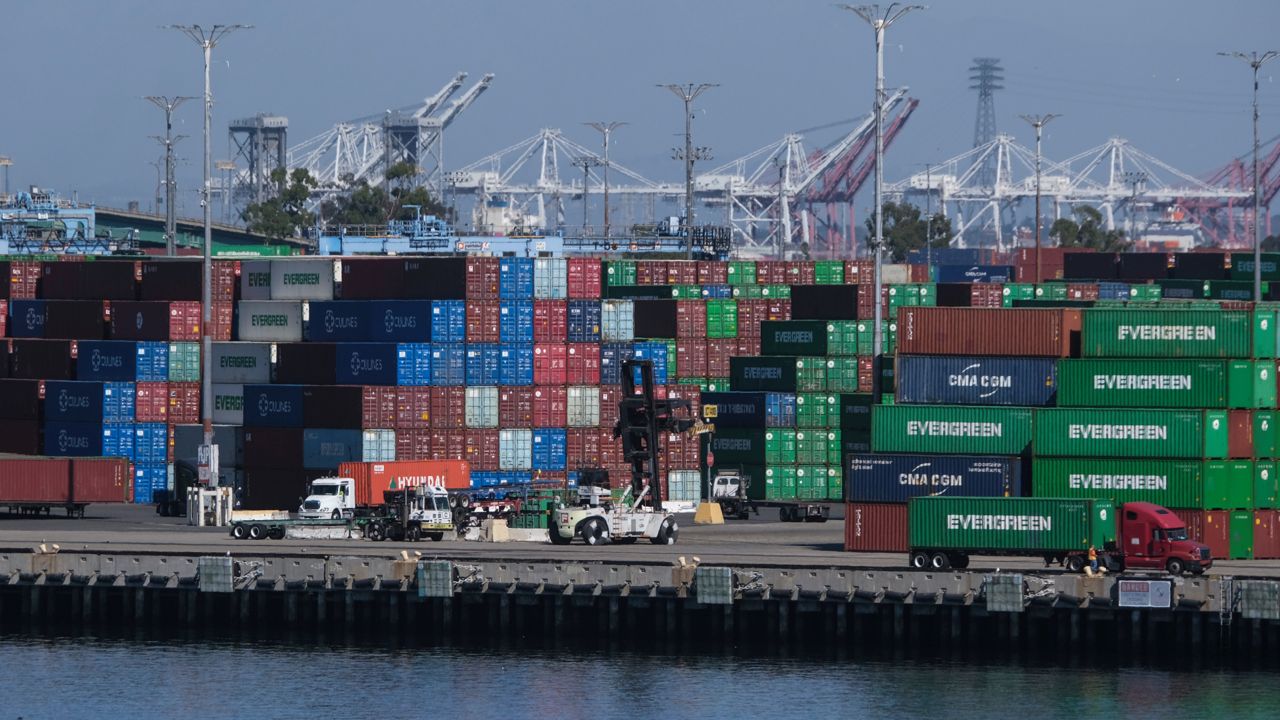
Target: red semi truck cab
(1150, 536)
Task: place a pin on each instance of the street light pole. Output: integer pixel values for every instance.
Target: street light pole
(586, 162)
(606, 129)
(168, 105)
(1038, 122)
(879, 22)
(1255, 60)
(6, 162)
(688, 93)
(207, 40)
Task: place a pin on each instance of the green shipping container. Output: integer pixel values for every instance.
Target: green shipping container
(1095, 432)
(828, 272)
(1149, 292)
(686, 292)
(1051, 291)
(1266, 485)
(817, 410)
(1194, 484)
(620, 272)
(780, 446)
(945, 429)
(1017, 291)
(742, 272)
(842, 338)
(1265, 438)
(794, 337)
(1172, 333)
(1186, 383)
(817, 447)
(722, 318)
(1241, 529)
(811, 374)
(1010, 525)
(842, 375)
(779, 484)
(184, 362)
(1242, 266)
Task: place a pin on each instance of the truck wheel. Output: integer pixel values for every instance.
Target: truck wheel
(918, 560)
(1175, 567)
(784, 514)
(257, 532)
(595, 532)
(336, 515)
(238, 532)
(1074, 563)
(667, 533)
(413, 533)
(939, 561)
(436, 536)
(960, 562)
(556, 537)
(374, 532)
(276, 533)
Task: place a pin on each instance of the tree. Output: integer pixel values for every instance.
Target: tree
(367, 205)
(906, 230)
(1271, 243)
(1086, 231)
(285, 214)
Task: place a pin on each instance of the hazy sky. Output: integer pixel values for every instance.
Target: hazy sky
(73, 117)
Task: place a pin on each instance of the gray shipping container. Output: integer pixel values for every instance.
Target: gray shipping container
(617, 320)
(228, 404)
(482, 406)
(584, 406)
(270, 320)
(255, 280)
(228, 438)
(379, 446)
(241, 363)
(550, 278)
(302, 279)
(515, 449)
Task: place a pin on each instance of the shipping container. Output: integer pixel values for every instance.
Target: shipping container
(482, 278)
(338, 321)
(824, 302)
(549, 449)
(583, 406)
(484, 321)
(305, 363)
(515, 321)
(148, 320)
(1200, 484)
(794, 337)
(107, 360)
(551, 406)
(871, 527)
(772, 374)
(173, 280)
(448, 364)
(75, 320)
(550, 279)
(515, 449)
(413, 409)
(1090, 266)
(951, 429)
(151, 401)
(310, 279)
(184, 362)
(897, 478)
(1148, 382)
(515, 278)
(448, 321)
(378, 445)
(959, 380)
(987, 331)
(325, 449)
(270, 321)
(656, 318)
(255, 280)
(399, 320)
(1165, 333)
(481, 451)
(273, 447)
(184, 402)
(273, 405)
(239, 363)
(373, 479)
(365, 364)
(1095, 432)
(482, 407)
(584, 278)
(228, 404)
(99, 280)
(229, 439)
(1010, 525)
(582, 364)
(378, 407)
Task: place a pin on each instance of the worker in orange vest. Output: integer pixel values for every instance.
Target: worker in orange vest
(1093, 560)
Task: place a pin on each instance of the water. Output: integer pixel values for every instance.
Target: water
(59, 677)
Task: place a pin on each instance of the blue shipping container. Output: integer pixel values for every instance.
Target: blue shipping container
(118, 401)
(147, 479)
(973, 273)
(338, 321)
(611, 357)
(72, 439)
(399, 320)
(151, 444)
(514, 477)
(584, 321)
(485, 478)
(448, 321)
(716, 292)
(515, 278)
(1113, 291)
(779, 410)
(114, 360)
(515, 364)
(365, 364)
(895, 478)
(947, 380)
(118, 441)
(549, 449)
(657, 352)
(483, 361)
(273, 405)
(326, 449)
(73, 401)
(26, 318)
(738, 409)
(448, 364)
(152, 363)
(413, 364)
(515, 321)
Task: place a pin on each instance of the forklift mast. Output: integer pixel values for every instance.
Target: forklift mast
(641, 421)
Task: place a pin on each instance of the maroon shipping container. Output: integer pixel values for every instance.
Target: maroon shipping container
(225, 280)
(719, 350)
(551, 406)
(1266, 534)
(483, 321)
(223, 318)
(184, 320)
(1211, 527)
(20, 399)
(151, 402)
(859, 272)
(681, 452)
(306, 364)
(550, 320)
(482, 278)
(691, 358)
(75, 319)
(692, 393)
(333, 406)
(610, 449)
(448, 409)
(35, 480)
(986, 331)
(174, 280)
(413, 409)
(584, 278)
(804, 272)
(99, 280)
(274, 488)
(1082, 291)
(550, 364)
(184, 403)
(581, 448)
(515, 406)
(101, 480)
(413, 444)
(447, 444)
(651, 272)
(713, 272)
(681, 272)
(771, 272)
(24, 280)
(610, 396)
(875, 527)
(750, 314)
(691, 319)
(371, 278)
(378, 407)
(481, 449)
(43, 359)
(4, 318)
(986, 295)
(582, 363)
(273, 448)
(20, 436)
(1240, 433)
(139, 320)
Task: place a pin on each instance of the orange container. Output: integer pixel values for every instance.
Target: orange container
(374, 478)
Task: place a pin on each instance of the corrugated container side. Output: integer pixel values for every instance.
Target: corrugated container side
(482, 407)
(897, 478)
(872, 527)
(228, 404)
(986, 331)
(959, 380)
(271, 321)
(310, 279)
(1169, 483)
(1164, 333)
(100, 480)
(326, 449)
(950, 429)
(1146, 382)
(1095, 432)
(241, 363)
(35, 480)
(373, 479)
(1028, 525)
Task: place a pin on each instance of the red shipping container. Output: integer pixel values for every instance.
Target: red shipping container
(225, 280)
(482, 278)
(610, 447)
(584, 278)
(986, 295)
(550, 406)
(691, 319)
(483, 321)
(184, 320)
(374, 479)
(224, 313)
(777, 310)
(448, 409)
(747, 347)
(515, 406)
(866, 308)
(35, 480)
(413, 408)
(619, 475)
(1082, 291)
(4, 321)
(692, 393)
(875, 527)
(750, 314)
(24, 279)
(101, 480)
(1240, 433)
(151, 402)
(378, 407)
(859, 272)
(448, 444)
(771, 272)
(800, 272)
(583, 448)
(610, 396)
(986, 331)
(681, 272)
(550, 364)
(549, 478)
(582, 364)
(713, 272)
(482, 449)
(691, 358)
(651, 272)
(1211, 527)
(184, 403)
(413, 444)
(550, 320)
(1266, 534)
(919, 273)
(719, 350)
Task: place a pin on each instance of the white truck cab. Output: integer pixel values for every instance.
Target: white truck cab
(329, 498)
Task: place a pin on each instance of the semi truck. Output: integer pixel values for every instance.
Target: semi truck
(357, 490)
(944, 532)
(410, 513)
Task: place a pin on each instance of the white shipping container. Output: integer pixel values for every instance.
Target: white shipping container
(550, 278)
(379, 446)
(482, 406)
(270, 320)
(255, 280)
(228, 404)
(583, 406)
(897, 274)
(515, 449)
(617, 320)
(241, 363)
(684, 486)
(302, 279)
